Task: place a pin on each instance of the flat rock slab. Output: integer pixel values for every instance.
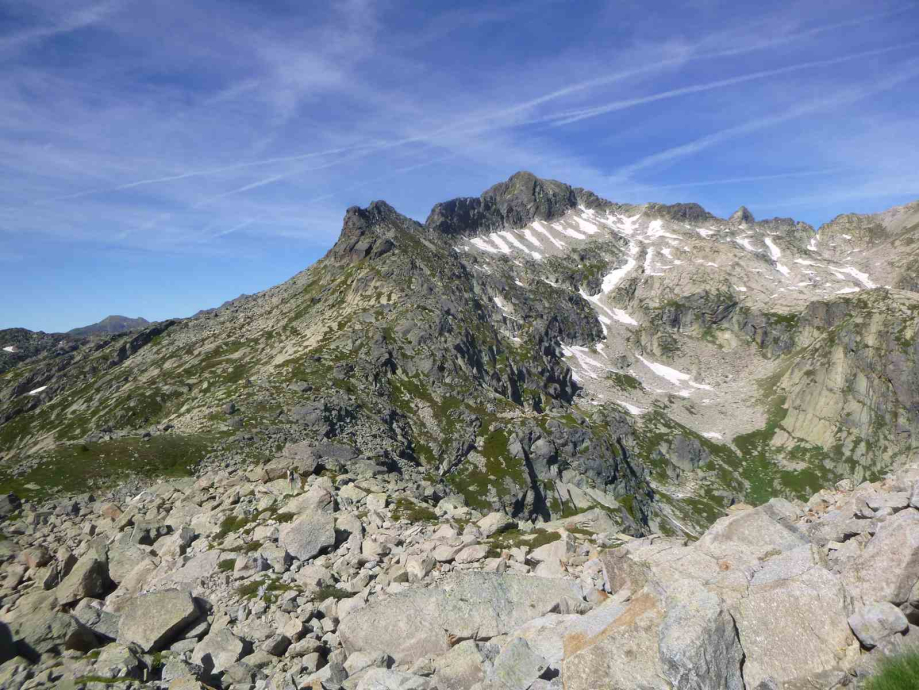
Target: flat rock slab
(793, 629)
(425, 622)
(153, 620)
(308, 536)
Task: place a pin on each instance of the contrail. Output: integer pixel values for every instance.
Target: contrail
(578, 115)
(738, 180)
(625, 74)
(211, 171)
(705, 142)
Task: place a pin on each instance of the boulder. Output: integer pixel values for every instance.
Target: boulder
(792, 629)
(888, 568)
(91, 614)
(218, 651)
(153, 620)
(423, 622)
(516, 667)
(89, 578)
(385, 679)
(308, 536)
(45, 631)
(460, 668)
(624, 655)
(876, 622)
(698, 642)
(494, 523)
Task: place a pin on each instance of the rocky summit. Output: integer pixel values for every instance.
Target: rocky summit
(541, 440)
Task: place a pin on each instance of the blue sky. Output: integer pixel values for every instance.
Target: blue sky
(163, 156)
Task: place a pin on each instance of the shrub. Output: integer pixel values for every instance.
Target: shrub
(899, 672)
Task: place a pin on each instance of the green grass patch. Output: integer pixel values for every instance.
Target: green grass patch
(899, 672)
(331, 592)
(226, 565)
(405, 509)
(77, 468)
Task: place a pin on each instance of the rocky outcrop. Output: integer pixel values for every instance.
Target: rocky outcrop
(404, 589)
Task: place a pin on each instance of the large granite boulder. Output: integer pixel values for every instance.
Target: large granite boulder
(427, 622)
(151, 621)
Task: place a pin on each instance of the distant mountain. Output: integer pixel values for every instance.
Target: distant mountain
(111, 325)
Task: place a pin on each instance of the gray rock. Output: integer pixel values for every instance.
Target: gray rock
(422, 622)
(699, 648)
(794, 628)
(624, 655)
(888, 568)
(176, 667)
(876, 622)
(88, 578)
(383, 679)
(460, 668)
(153, 620)
(308, 536)
(516, 667)
(218, 651)
(46, 631)
(91, 614)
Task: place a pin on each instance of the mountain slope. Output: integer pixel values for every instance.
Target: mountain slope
(537, 350)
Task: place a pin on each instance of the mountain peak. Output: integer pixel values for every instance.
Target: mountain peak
(742, 215)
(516, 202)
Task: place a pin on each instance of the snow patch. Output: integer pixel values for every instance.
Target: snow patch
(622, 317)
(611, 280)
(773, 249)
(568, 232)
(675, 377)
(36, 391)
(705, 233)
(848, 290)
(860, 277)
(484, 246)
(500, 243)
(782, 269)
(812, 246)
(530, 237)
(712, 434)
(631, 408)
(9, 348)
(586, 226)
(745, 243)
(740, 288)
(537, 226)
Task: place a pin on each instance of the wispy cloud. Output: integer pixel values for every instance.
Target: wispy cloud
(844, 97)
(578, 115)
(73, 21)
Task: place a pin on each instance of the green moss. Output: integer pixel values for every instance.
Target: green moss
(502, 473)
(233, 523)
(331, 592)
(405, 509)
(226, 565)
(514, 538)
